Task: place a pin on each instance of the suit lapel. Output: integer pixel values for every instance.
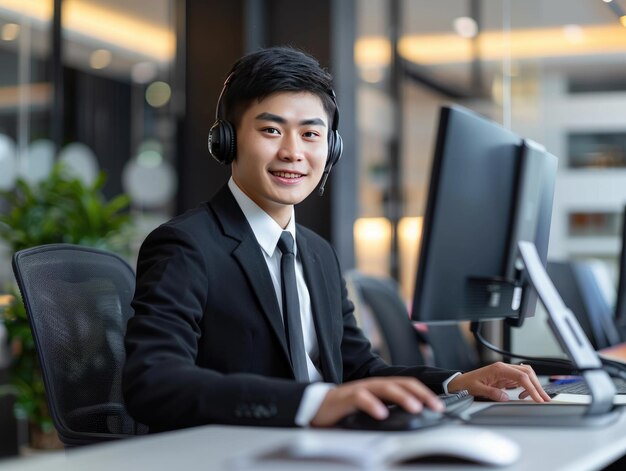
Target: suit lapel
(249, 256)
(318, 291)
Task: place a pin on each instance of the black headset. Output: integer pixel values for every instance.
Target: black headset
(222, 144)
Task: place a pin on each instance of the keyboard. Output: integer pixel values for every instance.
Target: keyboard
(580, 387)
(401, 420)
(456, 402)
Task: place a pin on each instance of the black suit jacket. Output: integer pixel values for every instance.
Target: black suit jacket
(207, 343)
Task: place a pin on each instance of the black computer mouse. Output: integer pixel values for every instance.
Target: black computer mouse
(397, 420)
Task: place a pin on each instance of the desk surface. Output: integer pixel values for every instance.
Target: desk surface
(223, 447)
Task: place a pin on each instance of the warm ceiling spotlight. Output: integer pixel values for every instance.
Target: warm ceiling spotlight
(100, 59)
(10, 32)
(466, 27)
(622, 20)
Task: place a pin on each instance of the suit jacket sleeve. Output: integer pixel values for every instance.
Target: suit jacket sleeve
(163, 385)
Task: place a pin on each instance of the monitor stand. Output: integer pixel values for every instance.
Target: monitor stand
(576, 345)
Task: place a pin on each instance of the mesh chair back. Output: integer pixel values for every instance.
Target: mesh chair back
(402, 342)
(78, 303)
(443, 346)
(451, 349)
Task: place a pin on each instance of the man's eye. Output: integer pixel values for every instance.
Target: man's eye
(311, 134)
(271, 130)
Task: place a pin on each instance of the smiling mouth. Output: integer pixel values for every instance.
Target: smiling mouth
(287, 174)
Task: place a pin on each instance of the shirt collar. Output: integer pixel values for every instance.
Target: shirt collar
(265, 229)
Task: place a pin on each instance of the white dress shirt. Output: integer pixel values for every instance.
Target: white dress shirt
(267, 232)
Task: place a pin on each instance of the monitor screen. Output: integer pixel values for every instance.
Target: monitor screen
(488, 190)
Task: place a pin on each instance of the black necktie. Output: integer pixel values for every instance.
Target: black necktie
(291, 308)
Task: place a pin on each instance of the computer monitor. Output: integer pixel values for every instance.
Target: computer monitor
(530, 220)
(620, 305)
(484, 246)
(583, 286)
(488, 190)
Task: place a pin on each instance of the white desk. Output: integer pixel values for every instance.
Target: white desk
(221, 447)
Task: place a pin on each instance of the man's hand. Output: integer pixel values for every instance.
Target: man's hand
(369, 396)
(488, 382)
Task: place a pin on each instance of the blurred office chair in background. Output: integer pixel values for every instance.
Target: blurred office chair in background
(451, 348)
(401, 343)
(78, 302)
(620, 302)
(586, 289)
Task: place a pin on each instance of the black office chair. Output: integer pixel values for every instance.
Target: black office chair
(401, 343)
(78, 302)
(452, 350)
(443, 346)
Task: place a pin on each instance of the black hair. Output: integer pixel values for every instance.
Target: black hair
(276, 69)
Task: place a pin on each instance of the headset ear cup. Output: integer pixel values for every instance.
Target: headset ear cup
(335, 149)
(222, 142)
(228, 137)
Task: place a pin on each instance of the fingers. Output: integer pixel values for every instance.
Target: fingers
(369, 396)
(408, 393)
(344, 400)
(368, 402)
(524, 376)
(488, 382)
(422, 393)
(536, 390)
(492, 393)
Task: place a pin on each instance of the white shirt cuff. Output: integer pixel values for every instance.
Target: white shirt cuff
(312, 399)
(445, 383)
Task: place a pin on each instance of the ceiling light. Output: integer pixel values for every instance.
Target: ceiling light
(371, 51)
(466, 27)
(607, 1)
(573, 33)
(102, 24)
(522, 44)
(10, 31)
(100, 59)
(622, 20)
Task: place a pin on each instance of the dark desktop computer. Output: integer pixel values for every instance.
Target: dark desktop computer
(488, 190)
(484, 247)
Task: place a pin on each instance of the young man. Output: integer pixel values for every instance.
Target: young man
(208, 343)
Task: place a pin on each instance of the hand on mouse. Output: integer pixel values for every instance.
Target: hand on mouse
(488, 382)
(368, 395)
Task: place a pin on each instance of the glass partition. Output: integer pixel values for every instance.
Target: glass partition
(106, 97)
(551, 71)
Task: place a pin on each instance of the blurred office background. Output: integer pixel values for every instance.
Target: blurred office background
(130, 87)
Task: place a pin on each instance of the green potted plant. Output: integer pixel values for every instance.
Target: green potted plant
(61, 208)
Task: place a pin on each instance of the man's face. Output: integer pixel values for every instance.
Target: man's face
(281, 151)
